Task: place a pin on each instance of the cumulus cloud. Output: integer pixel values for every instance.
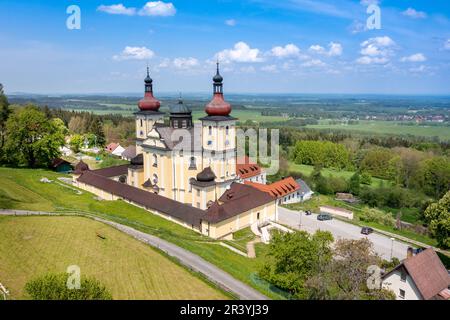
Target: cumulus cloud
(241, 52)
(313, 63)
(152, 8)
(447, 44)
(376, 50)
(419, 69)
(134, 53)
(418, 57)
(334, 49)
(372, 60)
(413, 13)
(117, 9)
(269, 68)
(288, 51)
(230, 22)
(185, 63)
(158, 8)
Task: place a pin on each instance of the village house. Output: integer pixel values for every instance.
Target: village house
(419, 277)
(115, 149)
(185, 171)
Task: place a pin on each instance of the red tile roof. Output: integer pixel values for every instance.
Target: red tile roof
(277, 189)
(427, 272)
(246, 169)
(111, 147)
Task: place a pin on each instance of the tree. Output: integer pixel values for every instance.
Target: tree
(97, 129)
(76, 142)
(5, 111)
(433, 176)
(438, 217)
(32, 139)
(378, 163)
(366, 178)
(54, 287)
(293, 258)
(355, 184)
(352, 259)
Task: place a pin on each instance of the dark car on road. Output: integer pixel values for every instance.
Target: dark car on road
(366, 230)
(324, 217)
(308, 212)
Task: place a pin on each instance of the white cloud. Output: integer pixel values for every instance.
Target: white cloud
(248, 69)
(419, 69)
(372, 60)
(313, 63)
(369, 2)
(269, 68)
(185, 63)
(317, 49)
(413, 13)
(241, 52)
(158, 8)
(230, 22)
(418, 57)
(117, 9)
(134, 53)
(335, 49)
(289, 50)
(376, 50)
(447, 44)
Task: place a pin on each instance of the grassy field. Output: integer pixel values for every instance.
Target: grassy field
(33, 246)
(21, 189)
(326, 172)
(388, 127)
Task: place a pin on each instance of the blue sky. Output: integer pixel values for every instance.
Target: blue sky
(265, 46)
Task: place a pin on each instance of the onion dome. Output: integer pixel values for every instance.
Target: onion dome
(149, 102)
(218, 106)
(180, 108)
(81, 167)
(138, 160)
(207, 175)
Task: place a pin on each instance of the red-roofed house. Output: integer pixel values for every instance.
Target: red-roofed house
(247, 170)
(420, 277)
(285, 191)
(115, 149)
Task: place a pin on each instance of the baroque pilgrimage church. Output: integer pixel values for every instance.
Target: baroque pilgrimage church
(184, 171)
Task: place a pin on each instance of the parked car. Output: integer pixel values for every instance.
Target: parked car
(324, 217)
(366, 230)
(308, 212)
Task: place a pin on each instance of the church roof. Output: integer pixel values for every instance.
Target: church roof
(238, 199)
(148, 200)
(277, 189)
(207, 175)
(81, 167)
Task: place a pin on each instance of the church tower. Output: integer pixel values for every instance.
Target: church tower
(148, 113)
(219, 136)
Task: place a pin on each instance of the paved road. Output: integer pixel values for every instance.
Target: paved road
(187, 258)
(342, 230)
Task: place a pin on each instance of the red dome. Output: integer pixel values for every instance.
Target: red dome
(149, 103)
(218, 106)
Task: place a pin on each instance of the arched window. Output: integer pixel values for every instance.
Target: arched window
(155, 179)
(227, 130)
(142, 123)
(155, 160)
(210, 130)
(193, 163)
